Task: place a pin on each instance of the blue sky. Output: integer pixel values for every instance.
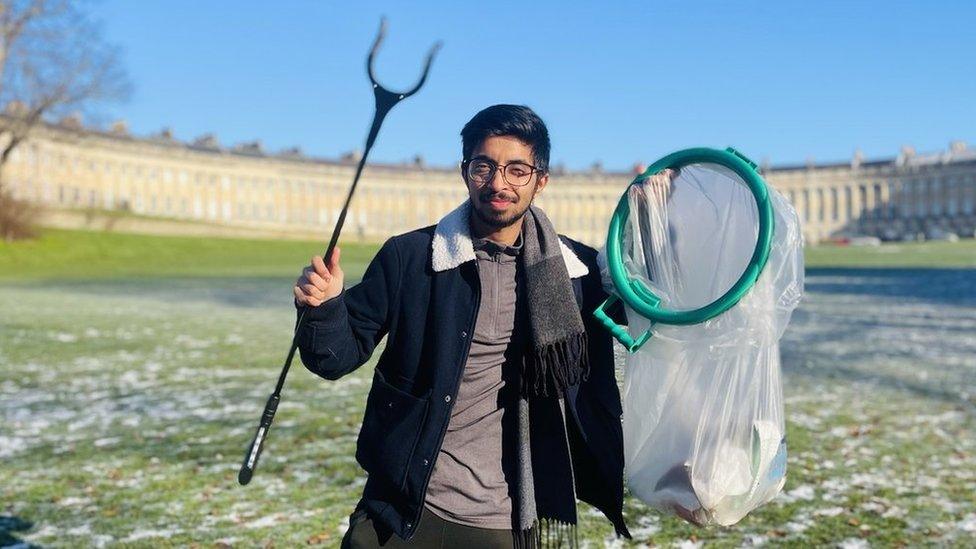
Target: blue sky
(617, 82)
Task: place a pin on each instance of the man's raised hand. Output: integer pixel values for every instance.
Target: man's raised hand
(319, 283)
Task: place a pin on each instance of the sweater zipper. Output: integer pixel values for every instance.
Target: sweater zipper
(457, 386)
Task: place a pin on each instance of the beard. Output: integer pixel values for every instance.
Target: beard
(498, 220)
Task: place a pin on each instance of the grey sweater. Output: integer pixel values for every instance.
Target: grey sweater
(475, 465)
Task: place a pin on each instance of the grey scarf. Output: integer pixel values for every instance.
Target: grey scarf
(556, 359)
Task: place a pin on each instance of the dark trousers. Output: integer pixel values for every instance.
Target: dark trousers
(432, 531)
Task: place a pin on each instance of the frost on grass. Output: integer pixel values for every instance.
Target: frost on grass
(127, 415)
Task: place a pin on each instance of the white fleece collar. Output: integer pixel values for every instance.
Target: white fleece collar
(452, 244)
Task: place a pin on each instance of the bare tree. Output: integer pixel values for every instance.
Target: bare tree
(53, 61)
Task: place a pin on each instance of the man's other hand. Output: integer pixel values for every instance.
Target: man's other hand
(319, 283)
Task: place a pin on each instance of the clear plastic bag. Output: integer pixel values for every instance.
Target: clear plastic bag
(704, 432)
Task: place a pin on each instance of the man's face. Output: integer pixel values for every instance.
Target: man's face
(496, 203)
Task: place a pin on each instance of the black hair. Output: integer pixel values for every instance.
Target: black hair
(517, 121)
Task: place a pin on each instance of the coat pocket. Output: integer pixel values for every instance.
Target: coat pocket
(390, 431)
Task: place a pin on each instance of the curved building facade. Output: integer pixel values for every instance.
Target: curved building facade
(68, 166)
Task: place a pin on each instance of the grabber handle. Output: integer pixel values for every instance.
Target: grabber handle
(619, 332)
(254, 452)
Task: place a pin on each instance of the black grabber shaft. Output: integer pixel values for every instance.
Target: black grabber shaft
(385, 100)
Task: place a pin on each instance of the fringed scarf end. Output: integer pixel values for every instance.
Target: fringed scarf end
(553, 368)
(547, 533)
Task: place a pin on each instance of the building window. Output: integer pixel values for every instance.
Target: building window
(919, 197)
(969, 188)
(952, 196)
(834, 205)
(892, 206)
(848, 203)
(877, 204)
(821, 211)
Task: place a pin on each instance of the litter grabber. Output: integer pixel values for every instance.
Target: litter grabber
(385, 101)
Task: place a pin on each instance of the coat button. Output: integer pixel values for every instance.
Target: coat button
(447, 398)
(389, 404)
(409, 525)
(426, 463)
(464, 334)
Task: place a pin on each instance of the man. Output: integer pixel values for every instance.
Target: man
(494, 404)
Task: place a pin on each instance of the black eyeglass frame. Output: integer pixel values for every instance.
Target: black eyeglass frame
(467, 161)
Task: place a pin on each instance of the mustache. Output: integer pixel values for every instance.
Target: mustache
(488, 197)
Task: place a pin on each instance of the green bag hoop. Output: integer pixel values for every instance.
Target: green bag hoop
(638, 296)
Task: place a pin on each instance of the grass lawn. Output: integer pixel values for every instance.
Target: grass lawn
(133, 370)
(903, 254)
(61, 254)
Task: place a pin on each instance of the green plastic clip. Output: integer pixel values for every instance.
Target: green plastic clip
(619, 332)
(742, 156)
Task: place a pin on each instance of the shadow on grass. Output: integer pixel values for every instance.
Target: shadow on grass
(950, 286)
(840, 347)
(945, 392)
(9, 526)
(243, 292)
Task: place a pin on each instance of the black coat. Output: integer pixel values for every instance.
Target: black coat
(429, 319)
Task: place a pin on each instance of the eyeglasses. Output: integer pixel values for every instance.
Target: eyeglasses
(481, 172)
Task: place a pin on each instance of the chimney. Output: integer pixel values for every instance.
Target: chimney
(71, 121)
(250, 147)
(352, 156)
(293, 152)
(857, 159)
(164, 134)
(906, 154)
(207, 141)
(120, 128)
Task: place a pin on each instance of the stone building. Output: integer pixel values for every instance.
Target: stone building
(907, 197)
(68, 166)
